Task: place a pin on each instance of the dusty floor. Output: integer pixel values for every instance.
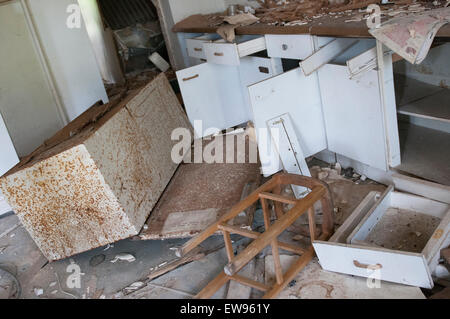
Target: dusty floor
(101, 278)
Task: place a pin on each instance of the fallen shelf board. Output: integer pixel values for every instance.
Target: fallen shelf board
(425, 153)
(434, 107)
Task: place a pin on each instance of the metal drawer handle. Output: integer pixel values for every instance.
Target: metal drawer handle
(263, 69)
(218, 53)
(365, 266)
(198, 49)
(191, 77)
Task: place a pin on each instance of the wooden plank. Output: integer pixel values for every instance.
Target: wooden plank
(250, 283)
(280, 95)
(278, 198)
(325, 54)
(254, 235)
(324, 26)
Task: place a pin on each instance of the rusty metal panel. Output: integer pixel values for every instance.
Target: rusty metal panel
(99, 186)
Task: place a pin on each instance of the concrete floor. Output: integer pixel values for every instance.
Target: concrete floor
(101, 278)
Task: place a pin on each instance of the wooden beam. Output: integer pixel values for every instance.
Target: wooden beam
(278, 198)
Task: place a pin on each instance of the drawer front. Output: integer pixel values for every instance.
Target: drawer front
(195, 48)
(289, 46)
(222, 53)
(374, 263)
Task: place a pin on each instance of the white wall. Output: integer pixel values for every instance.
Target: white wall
(70, 56)
(26, 103)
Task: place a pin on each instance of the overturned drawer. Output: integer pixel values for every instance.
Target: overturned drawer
(397, 238)
(222, 52)
(195, 45)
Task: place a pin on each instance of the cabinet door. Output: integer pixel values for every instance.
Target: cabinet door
(212, 93)
(354, 116)
(8, 155)
(253, 70)
(299, 96)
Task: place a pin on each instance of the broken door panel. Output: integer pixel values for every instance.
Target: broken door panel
(8, 155)
(353, 115)
(212, 93)
(294, 93)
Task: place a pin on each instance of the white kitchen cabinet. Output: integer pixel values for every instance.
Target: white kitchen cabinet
(217, 94)
(222, 52)
(290, 93)
(289, 46)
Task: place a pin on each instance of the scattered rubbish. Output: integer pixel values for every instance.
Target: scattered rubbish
(38, 291)
(52, 284)
(124, 257)
(363, 177)
(108, 247)
(159, 62)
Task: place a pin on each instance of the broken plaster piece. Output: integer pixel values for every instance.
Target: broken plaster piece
(123, 257)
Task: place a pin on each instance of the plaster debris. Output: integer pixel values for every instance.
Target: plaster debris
(124, 257)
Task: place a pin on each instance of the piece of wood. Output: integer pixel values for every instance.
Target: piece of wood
(250, 283)
(325, 54)
(254, 235)
(306, 113)
(274, 242)
(175, 264)
(213, 286)
(312, 224)
(278, 198)
(228, 245)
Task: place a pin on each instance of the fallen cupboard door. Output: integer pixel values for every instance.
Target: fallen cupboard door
(353, 115)
(299, 96)
(401, 267)
(212, 93)
(8, 155)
